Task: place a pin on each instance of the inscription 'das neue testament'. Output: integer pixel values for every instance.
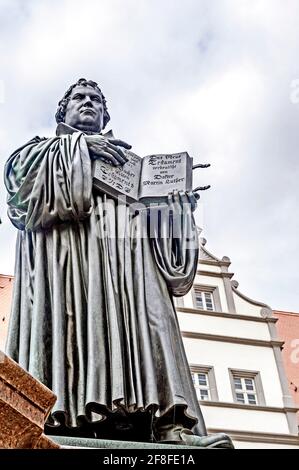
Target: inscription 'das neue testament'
(153, 176)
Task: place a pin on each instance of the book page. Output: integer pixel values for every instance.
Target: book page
(121, 180)
(164, 173)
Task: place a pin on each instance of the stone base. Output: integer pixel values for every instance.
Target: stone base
(81, 442)
(24, 406)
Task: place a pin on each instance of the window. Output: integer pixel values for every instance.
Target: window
(245, 390)
(204, 382)
(201, 384)
(247, 387)
(206, 298)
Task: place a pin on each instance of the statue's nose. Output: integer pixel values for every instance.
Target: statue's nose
(87, 101)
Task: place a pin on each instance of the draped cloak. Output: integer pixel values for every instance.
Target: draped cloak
(92, 313)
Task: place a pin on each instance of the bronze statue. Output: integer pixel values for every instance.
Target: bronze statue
(93, 315)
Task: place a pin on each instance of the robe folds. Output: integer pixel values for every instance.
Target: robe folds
(92, 314)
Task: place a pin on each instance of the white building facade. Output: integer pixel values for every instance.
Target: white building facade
(235, 358)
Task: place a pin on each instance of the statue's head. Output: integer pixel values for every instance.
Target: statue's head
(83, 106)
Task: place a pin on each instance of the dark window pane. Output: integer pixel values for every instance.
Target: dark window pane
(209, 302)
(240, 398)
(202, 379)
(237, 383)
(251, 399)
(198, 297)
(204, 395)
(249, 384)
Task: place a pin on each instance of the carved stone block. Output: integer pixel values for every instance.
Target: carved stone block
(25, 404)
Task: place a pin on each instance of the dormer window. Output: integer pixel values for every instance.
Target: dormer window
(204, 300)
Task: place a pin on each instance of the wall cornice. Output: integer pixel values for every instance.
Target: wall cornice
(272, 409)
(230, 316)
(232, 339)
(248, 436)
(214, 274)
(211, 262)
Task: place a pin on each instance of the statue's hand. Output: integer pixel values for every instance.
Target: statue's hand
(183, 197)
(107, 150)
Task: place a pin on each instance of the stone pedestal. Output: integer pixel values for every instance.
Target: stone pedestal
(87, 443)
(25, 404)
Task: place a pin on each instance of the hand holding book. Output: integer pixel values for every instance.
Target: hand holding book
(183, 197)
(107, 149)
(149, 180)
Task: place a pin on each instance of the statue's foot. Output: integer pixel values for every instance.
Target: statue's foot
(178, 435)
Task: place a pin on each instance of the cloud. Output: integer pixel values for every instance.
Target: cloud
(210, 77)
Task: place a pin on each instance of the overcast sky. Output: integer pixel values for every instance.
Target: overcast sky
(214, 77)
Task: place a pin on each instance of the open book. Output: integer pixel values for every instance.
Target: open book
(148, 179)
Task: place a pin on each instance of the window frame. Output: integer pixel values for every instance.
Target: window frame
(206, 297)
(213, 290)
(211, 387)
(246, 374)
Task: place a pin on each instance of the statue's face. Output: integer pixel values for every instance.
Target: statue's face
(85, 110)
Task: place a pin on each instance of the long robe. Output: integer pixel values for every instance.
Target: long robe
(92, 314)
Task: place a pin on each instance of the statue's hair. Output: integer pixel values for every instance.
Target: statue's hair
(61, 110)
